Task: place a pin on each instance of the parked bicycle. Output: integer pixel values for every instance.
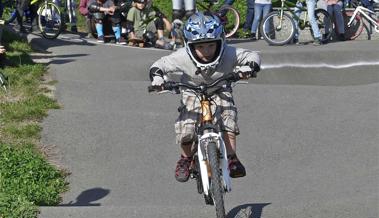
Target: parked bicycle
(49, 18)
(278, 27)
(228, 15)
(356, 22)
(210, 164)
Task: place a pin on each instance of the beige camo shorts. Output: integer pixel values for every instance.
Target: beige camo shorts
(224, 114)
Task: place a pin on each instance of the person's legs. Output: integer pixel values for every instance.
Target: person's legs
(235, 166)
(257, 16)
(330, 11)
(339, 18)
(99, 30)
(311, 4)
(297, 11)
(71, 14)
(266, 9)
(249, 15)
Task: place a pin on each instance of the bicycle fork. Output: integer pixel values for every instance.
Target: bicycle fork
(204, 141)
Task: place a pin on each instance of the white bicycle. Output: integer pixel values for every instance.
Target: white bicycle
(210, 163)
(356, 22)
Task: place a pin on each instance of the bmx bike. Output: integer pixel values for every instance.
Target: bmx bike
(210, 164)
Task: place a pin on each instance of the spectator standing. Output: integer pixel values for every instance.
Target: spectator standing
(83, 10)
(334, 8)
(261, 9)
(311, 5)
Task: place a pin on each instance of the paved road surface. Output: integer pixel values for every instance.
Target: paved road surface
(309, 134)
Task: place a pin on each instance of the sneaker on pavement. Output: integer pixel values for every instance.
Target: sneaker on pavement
(121, 41)
(100, 39)
(235, 167)
(317, 42)
(182, 171)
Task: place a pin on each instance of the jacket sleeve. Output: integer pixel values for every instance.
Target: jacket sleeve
(169, 64)
(246, 57)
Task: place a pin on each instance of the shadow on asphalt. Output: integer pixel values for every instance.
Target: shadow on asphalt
(41, 44)
(87, 197)
(247, 211)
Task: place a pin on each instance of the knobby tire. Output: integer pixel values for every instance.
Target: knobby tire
(273, 33)
(323, 20)
(49, 20)
(216, 184)
(230, 18)
(356, 28)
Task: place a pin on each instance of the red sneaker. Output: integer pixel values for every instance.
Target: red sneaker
(235, 167)
(182, 171)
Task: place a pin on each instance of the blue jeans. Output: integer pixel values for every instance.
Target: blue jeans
(258, 10)
(311, 6)
(249, 12)
(335, 11)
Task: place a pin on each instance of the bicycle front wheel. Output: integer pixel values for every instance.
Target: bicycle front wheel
(49, 20)
(276, 29)
(324, 23)
(216, 184)
(230, 19)
(356, 27)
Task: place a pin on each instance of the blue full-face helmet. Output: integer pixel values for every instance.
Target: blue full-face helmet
(201, 28)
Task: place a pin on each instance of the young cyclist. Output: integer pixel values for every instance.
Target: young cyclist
(205, 58)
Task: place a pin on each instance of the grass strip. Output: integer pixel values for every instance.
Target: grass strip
(27, 179)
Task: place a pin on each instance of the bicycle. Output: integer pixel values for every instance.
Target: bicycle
(227, 14)
(49, 19)
(356, 24)
(210, 164)
(278, 27)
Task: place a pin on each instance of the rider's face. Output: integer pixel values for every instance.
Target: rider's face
(140, 6)
(206, 51)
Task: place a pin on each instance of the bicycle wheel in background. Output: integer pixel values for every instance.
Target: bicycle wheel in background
(277, 30)
(323, 20)
(216, 187)
(230, 19)
(49, 20)
(356, 27)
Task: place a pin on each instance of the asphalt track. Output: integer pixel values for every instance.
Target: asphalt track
(309, 134)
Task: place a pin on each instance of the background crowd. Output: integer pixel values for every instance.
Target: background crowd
(141, 21)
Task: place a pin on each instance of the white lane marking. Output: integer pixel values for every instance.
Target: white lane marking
(321, 65)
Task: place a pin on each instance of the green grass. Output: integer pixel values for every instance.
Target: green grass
(27, 179)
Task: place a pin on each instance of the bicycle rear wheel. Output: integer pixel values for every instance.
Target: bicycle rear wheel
(323, 21)
(276, 29)
(49, 20)
(356, 26)
(230, 19)
(216, 184)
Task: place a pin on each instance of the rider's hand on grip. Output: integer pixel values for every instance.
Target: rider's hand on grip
(244, 72)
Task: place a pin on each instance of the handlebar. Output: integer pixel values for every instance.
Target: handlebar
(174, 86)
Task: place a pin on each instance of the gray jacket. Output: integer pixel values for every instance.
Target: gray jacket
(179, 67)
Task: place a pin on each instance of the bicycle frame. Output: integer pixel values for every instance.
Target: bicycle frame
(286, 5)
(361, 10)
(210, 135)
